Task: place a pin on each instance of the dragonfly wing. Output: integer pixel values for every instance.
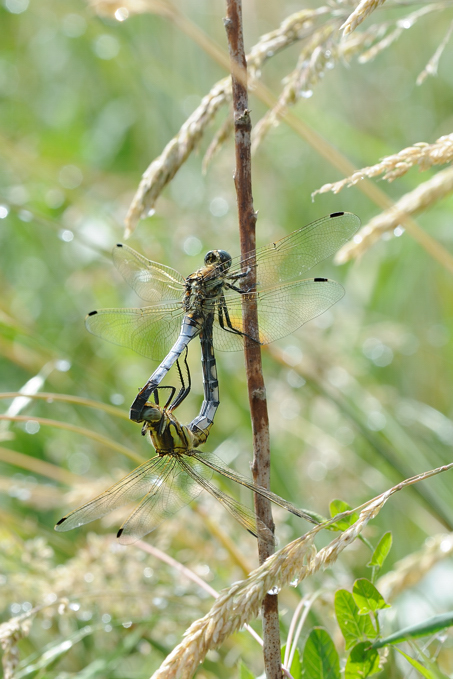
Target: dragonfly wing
(152, 281)
(281, 310)
(292, 256)
(195, 465)
(149, 331)
(216, 464)
(174, 489)
(131, 488)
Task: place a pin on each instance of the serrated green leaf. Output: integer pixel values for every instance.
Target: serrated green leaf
(296, 666)
(381, 551)
(430, 626)
(429, 673)
(320, 658)
(337, 507)
(244, 672)
(354, 627)
(367, 597)
(362, 662)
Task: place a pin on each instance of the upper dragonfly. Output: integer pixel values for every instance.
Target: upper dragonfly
(209, 301)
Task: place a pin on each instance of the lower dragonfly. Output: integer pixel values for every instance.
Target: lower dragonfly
(208, 303)
(169, 481)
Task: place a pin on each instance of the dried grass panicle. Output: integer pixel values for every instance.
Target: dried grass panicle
(11, 632)
(361, 12)
(422, 154)
(380, 46)
(424, 196)
(402, 24)
(319, 53)
(294, 28)
(164, 168)
(410, 570)
(241, 602)
(433, 63)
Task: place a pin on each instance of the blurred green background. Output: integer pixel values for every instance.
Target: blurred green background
(361, 398)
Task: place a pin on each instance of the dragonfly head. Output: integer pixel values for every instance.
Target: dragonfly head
(218, 257)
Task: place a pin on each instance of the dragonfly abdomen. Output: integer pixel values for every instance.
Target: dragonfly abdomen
(190, 328)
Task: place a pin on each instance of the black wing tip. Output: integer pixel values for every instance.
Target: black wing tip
(321, 280)
(92, 313)
(336, 214)
(119, 245)
(60, 522)
(120, 532)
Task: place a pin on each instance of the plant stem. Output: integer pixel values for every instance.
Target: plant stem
(255, 380)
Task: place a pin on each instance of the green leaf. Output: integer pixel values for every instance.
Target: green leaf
(320, 659)
(381, 551)
(244, 672)
(430, 626)
(429, 673)
(367, 597)
(296, 665)
(362, 662)
(338, 507)
(354, 627)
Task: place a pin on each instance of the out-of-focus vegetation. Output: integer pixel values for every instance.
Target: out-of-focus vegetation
(359, 398)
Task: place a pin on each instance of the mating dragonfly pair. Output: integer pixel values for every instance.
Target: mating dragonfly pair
(208, 304)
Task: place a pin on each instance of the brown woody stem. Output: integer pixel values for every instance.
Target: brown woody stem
(255, 380)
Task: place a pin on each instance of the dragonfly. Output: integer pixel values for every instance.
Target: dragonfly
(170, 480)
(208, 303)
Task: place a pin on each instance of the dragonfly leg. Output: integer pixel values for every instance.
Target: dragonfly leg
(155, 394)
(185, 389)
(236, 289)
(223, 311)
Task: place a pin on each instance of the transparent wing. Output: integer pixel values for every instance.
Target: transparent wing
(175, 489)
(245, 516)
(149, 331)
(214, 463)
(131, 488)
(281, 311)
(152, 281)
(295, 254)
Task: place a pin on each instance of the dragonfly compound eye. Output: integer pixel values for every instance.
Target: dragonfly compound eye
(218, 257)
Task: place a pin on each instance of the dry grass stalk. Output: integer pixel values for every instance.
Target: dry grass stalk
(425, 195)
(241, 602)
(433, 63)
(422, 154)
(409, 571)
(361, 12)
